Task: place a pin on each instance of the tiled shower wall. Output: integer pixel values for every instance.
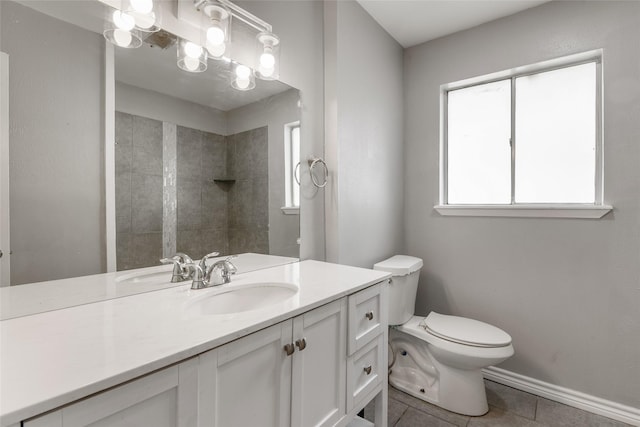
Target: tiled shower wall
(215, 191)
(202, 202)
(248, 164)
(138, 155)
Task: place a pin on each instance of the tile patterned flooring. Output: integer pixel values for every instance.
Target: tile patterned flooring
(508, 407)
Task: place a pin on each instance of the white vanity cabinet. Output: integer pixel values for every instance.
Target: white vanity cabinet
(165, 398)
(316, 369)
(290, 374)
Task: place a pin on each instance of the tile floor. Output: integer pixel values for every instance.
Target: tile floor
(508, 407)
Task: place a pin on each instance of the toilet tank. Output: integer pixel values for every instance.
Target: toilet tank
(403, 288)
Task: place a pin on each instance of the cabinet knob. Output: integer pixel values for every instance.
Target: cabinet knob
(289, 349)
(369, 315)
(301, 343)
(367, 369)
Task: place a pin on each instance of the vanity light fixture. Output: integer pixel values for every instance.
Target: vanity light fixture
(126, 25)
(191, 56)
(218, 15)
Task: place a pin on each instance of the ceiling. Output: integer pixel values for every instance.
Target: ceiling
(412, 22)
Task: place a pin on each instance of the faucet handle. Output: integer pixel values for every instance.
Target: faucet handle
(231, 268)
(178, 274)
(184, 258)
(203, 261)
(181, 269)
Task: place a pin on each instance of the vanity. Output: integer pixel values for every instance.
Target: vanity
(300, 344)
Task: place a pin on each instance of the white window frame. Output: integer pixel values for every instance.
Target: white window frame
(561, 210)
(290, 166)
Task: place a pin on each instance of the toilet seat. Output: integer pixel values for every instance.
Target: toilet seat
(465, 331)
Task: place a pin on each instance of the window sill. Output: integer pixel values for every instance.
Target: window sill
(290, 210)
(527, 211)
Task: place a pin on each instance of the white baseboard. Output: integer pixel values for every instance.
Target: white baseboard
(586, 402)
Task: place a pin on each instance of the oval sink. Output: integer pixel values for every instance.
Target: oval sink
(241, 298)
(157, 277)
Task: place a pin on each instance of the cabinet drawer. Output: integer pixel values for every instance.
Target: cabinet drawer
(364, 371)
(366, 317)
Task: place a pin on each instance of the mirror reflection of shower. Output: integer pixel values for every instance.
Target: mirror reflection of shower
(184, 189)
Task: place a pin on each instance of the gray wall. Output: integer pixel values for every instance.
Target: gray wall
(56, 150)
(567, 290)
(154, 105)
(274, 112)
(364, 141)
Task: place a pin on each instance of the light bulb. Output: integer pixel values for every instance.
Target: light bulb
(145, 21)
(215, 34)
(267, 72)
(267, 60)
(122, 37)
(243, 72)
(243, 83)
(191, 64)
(123, 21)
(142, 6)
(216, 50)
(192, 50)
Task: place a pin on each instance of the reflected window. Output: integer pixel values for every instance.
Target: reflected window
(292, 164)
(528, 138)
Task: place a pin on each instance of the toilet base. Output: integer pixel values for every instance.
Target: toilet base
(467, 399)
(418, 373)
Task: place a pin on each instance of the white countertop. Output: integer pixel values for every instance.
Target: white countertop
(32, 298)
(53, 358)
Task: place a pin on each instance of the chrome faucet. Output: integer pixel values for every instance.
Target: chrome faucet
(181, 267)
(217, 274)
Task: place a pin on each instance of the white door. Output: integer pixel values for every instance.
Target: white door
(247, 382)
(319, 366)
(5, 273)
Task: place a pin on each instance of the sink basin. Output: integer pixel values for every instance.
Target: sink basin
(242, 298)
(156, 277)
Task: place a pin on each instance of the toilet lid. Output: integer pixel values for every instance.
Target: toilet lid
(465, 331)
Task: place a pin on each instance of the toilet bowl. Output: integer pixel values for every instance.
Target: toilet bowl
(438, 358)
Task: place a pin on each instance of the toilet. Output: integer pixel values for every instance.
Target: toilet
(438, 358)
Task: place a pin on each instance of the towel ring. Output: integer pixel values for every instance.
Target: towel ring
(312, 164)
(296, 173)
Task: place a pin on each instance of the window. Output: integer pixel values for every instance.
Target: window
(292, 169)
(526, 140)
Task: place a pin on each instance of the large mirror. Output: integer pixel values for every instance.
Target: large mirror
(197, 165)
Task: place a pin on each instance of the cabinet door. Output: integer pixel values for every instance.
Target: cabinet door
(319, 366)
(166, 398)
(247, 382)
